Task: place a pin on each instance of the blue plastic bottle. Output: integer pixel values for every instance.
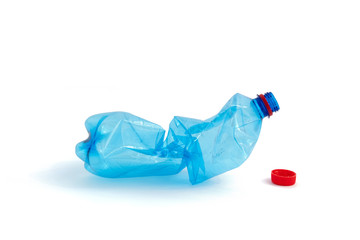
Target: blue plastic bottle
(123, 145)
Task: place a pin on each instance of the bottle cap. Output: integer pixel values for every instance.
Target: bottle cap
(283, 177)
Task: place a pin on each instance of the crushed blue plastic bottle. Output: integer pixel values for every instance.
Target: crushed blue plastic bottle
(123, 145)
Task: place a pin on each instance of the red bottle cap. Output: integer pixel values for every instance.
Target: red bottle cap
(283, 177)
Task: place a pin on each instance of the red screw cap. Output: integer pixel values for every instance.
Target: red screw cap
(283, 177)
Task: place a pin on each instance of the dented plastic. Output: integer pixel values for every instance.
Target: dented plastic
(123, 145)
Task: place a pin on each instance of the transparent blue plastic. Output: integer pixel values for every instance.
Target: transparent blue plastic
(123, 145)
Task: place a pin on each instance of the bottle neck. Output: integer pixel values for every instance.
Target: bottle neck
(266, 104)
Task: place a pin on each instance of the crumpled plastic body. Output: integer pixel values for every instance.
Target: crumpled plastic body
(123, 145)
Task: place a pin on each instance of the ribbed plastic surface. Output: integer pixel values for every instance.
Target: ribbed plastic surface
(270, 101)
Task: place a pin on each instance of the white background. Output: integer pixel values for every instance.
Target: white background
(62, 61)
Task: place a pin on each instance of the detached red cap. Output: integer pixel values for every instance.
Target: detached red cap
(283, 177)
